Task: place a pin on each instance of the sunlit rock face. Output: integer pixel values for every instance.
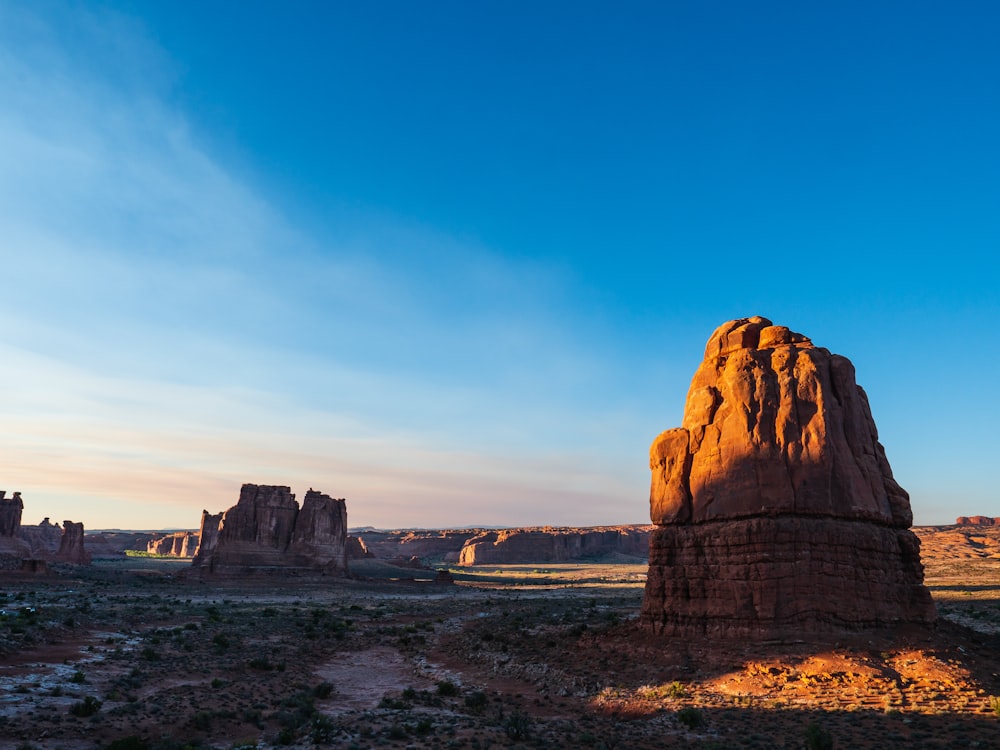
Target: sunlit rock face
(267, 529)
(775, 506)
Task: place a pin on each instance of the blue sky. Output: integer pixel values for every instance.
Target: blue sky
(457, 262)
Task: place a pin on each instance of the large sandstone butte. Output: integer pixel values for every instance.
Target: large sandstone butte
(267, 529)
(775, 508)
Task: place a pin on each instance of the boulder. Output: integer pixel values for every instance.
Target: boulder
(775, 507)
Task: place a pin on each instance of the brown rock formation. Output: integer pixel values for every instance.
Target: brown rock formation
(551, 545)
(977, 521)
(775, 506)
(43, 539)
(357, 549)
(12, 547)
(267, 529)
(428, 544)
(177, 544)
(71, 545)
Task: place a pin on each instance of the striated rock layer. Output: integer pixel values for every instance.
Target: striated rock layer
(71, 545)
(267, 529)
(775, 506)
(550, 545)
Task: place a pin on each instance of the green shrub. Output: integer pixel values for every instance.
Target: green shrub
(690, 717)
(476, 700)
(995, 704)
(78, 677)
(87, 707)
(517, 725)
(323, 690)
(447, 688)
(818, 738)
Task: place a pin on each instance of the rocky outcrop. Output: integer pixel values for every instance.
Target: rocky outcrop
(113, 544)
(357, 549)
(977, 521)
(43, 539)
(12, 547)
(439, 545)
(553, 545)
(71, 545)
(177, 544)
(267, 529)
(775, 506)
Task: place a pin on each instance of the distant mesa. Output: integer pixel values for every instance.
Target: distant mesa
(775, 507)
(977, 521)
(552, 545)
(267, 529)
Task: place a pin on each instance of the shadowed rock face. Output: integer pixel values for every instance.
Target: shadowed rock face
(511, 546)
(775, 506)
(266, 529)
(71, 546)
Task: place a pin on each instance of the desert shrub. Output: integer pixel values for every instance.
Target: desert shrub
(202, 720)
(221, 641)
(424, 726)
(87, 707)
(149, 654)
(253, 716)
(818, 738)
(396, 732)
(447, 688)
(691, 717)
(322, 731)
(323, 690)
(260, 663)
(476, 700)
(995, 704)
(676, 690)
(78, 677)
(517, 725)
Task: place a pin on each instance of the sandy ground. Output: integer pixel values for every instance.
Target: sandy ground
(508, 656)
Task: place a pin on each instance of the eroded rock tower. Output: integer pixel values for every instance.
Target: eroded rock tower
(775, 508)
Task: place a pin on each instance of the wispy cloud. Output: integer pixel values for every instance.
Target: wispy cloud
(167, 334)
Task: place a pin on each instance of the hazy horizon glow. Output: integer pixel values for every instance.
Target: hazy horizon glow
(457, 263)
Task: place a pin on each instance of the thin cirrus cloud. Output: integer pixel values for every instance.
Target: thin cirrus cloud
(168, 335)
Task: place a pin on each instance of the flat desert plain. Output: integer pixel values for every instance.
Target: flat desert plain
(134, 654)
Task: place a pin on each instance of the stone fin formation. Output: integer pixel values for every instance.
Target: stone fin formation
(774, 503)
(267, 529)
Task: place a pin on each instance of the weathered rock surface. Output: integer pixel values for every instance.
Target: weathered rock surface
(267, 529)
(113, 544)
(43, 539)
(552, 545)
(177, 544)
(12, 547)
(357, 549)
(775, 506)
(71, 545)
(977, 521)
(443, 545)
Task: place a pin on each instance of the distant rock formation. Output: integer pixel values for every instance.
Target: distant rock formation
(267, 529)
(357, 549)
(977, 521)
(553, 545)
(43, 539)
(113, 544)
(775, 507)
(71, 545)
(443, 545)
(13, 549)
(177, 544)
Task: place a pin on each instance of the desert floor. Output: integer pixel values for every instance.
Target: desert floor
(134, 654)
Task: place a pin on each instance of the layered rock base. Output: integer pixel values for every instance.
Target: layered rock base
(782, 577)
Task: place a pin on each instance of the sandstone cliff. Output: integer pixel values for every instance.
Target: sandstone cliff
(13, 549)
(267, 529)
(71, 545)
(43, 539)
(553, 545)
(775, 506)
(176, 544)
(977, 521)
